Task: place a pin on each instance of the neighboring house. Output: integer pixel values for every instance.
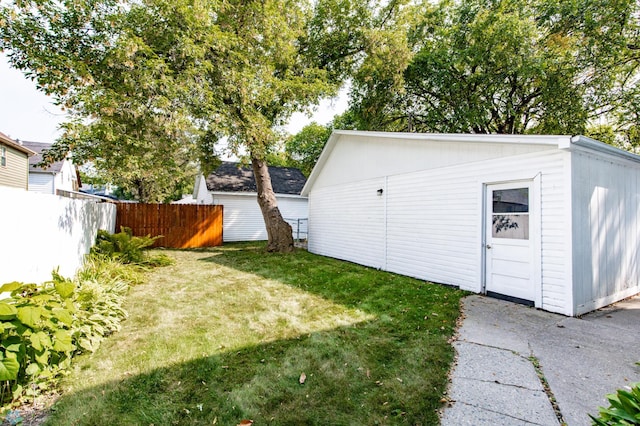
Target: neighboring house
(552, 221)
(234, 187)
(61, 175)
(14, 163)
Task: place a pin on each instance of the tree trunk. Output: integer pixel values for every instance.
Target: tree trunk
(278, 231)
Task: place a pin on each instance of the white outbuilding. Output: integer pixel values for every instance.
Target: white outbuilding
(233, 186)
(552, 221)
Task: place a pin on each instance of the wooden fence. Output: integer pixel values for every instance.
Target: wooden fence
(181, 225)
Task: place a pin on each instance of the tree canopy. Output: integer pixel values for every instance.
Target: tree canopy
(510, 66)
(154, 84)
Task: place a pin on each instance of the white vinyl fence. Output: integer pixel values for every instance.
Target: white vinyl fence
(42, 232)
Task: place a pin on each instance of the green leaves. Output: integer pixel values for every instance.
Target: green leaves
(624, 408)
(40, 326)
(9, 368)
(507, 66)
(65, 288)
(7, 311)
(29, 315)
(62, 341)
(40, 341)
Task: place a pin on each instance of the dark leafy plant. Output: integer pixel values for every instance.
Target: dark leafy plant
(43, 326)
(123, 245)
(35, 335)
(624, 408)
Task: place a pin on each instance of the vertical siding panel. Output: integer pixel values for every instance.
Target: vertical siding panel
(609, 199)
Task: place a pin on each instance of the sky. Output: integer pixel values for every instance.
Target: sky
(28, 114)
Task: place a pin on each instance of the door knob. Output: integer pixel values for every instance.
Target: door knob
(488, 246)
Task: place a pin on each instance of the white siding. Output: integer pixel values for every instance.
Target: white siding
(242, 219)
(348, 222)
(357, 158)
(66, 179)
(432, 228)
(41, 182)
(606, 230)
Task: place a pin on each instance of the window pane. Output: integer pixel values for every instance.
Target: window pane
(511, 200)
(514, 226)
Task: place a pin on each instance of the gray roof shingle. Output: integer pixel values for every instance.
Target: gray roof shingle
(230, 177)
(38, 147)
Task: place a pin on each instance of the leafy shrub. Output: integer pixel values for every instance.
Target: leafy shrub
(624, 408)
(128, 249)
(43, 326)
(35, 335)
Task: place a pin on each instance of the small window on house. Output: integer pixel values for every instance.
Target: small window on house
(511, 214)
(3, 156)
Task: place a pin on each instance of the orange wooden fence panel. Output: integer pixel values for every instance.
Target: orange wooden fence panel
(181, 225)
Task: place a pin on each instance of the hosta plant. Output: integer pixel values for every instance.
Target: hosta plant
(624, 408)
(35, 335)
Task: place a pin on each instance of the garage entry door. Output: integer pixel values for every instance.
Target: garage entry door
(510, 241)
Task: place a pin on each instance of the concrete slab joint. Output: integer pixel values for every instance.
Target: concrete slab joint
(517, 365)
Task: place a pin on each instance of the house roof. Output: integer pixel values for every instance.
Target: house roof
(565, 142)
(38, 147)
(231, 177)
(6, 140)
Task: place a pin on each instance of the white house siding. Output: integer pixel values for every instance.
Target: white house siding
(41, 182)
(358, 157)
(348, 222)
(606, 229)
(242, 218)
(66, 179)
(434, 218)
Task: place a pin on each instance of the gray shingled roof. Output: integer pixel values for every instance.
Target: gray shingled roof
(230, 177)
(38, 147)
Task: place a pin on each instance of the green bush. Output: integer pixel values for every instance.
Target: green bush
(128, 249)
(624, 408)
(43, 326)
(35, 335)
(123, 245)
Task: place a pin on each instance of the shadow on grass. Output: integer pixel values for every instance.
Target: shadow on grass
(390, 370)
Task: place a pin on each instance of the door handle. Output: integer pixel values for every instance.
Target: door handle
(488, 246)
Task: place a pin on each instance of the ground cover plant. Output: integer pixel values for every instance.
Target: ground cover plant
(230, 334)
(43, 326)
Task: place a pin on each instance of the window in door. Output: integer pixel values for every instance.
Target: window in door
(510, 215)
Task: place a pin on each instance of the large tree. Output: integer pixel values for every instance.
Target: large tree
(154, 83)
(510, 66)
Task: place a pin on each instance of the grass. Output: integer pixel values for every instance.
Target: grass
(225, 334)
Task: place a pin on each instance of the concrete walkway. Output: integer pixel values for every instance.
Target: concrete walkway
(506, 351)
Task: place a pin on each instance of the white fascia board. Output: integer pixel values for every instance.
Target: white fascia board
(255, 194)
(594, 145)
(552, 140)
(560, 141)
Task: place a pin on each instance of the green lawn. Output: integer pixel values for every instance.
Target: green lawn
(225, 335)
